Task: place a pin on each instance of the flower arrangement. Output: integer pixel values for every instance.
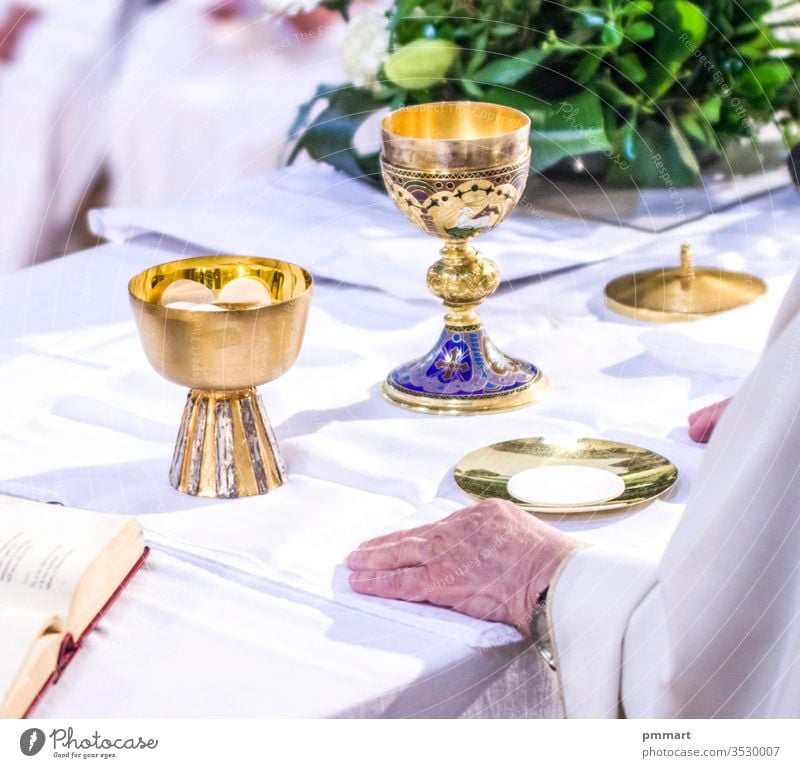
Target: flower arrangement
(654, 86)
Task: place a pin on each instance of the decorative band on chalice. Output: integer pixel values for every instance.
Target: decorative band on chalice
(445, 203)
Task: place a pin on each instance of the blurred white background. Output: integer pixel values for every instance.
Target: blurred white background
(130, 102)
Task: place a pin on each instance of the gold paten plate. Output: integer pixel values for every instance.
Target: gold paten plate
(485, 473)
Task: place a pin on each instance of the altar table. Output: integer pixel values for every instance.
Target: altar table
(233, 616)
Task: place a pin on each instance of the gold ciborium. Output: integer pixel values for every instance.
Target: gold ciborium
(456, 170)
(247, 332)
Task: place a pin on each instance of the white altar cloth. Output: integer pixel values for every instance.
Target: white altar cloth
(243, 610)
(345, 230)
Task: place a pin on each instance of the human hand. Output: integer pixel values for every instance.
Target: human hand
(18, 17)
(490, 561)
(702, 422)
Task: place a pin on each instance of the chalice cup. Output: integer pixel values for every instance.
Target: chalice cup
(456, 170)
(225, 447)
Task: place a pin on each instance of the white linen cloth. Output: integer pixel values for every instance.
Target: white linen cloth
(713, 629)
(94, 426)
(182, 641)
(52, 130)
(344, 230)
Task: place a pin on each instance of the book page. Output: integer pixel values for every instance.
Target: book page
(44, 551)
(22, 629)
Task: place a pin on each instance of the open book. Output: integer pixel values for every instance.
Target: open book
(60, 569)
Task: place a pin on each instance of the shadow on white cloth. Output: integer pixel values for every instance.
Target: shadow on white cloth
(342, 229)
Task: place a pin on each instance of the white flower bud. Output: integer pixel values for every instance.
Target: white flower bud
(365, 46)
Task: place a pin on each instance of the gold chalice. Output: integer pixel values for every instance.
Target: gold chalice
(456, 170)
(222, 325)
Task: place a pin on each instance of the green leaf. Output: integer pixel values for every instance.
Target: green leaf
(300, 121)
(661, 158)
(402, 16)
(711, 109)
(508, 70)
(339, 6)
(700, 130)
(764, 78)
(691, 127)
(630, 66)
(478, 53)
(329, 137)
(503, 30)
(587, 67)
(569, 127)
(611, 35)
(524, 102)
(680, 27)
(636, 8)
(471, 88)
(421, 63)
(640, 31)
(614, 95)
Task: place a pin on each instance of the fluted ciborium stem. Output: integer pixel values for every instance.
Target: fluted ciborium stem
(456, 170)
(226, 447)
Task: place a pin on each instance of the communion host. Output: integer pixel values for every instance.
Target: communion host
(712, 630)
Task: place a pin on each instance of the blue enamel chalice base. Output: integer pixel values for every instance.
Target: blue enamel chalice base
(465, 373)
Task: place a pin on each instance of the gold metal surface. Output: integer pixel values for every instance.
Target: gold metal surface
(485, 473)
(454, 135)
(459, 406)
(681, 294)
(225, 446)
(456, 170)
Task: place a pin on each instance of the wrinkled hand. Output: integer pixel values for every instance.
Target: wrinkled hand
(490, 561)
(702, 422)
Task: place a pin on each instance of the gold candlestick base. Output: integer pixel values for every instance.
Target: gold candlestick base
(226, 447)
(685, 293)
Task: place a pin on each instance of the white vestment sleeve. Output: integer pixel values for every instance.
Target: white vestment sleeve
(715, 630)
(788, 310)
(590, 603)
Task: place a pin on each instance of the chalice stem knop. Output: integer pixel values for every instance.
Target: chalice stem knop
(462, 278)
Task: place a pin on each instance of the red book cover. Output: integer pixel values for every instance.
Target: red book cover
(70, 646)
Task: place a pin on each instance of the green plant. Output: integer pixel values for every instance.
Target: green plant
(636, 80)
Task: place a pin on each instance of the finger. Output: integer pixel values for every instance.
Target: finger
(386, 557)
(395, 536)
(714, 410)
(702, 427)
(703, 414)
(700, 431)
(401, 584)
(421, 531)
